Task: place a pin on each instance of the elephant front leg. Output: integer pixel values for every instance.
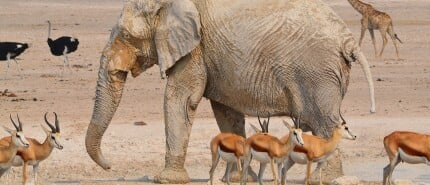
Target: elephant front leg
(229, 120)
(178, 123)
(184, 90)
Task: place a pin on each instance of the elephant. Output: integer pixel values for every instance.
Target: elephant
(247, 57)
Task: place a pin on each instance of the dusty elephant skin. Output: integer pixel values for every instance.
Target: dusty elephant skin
(246, 57)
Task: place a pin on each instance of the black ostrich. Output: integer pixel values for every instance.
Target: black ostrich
(10, 50)
(62, 46)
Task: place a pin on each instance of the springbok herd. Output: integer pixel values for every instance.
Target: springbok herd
(296, 147)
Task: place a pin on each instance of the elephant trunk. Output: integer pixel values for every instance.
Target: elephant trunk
(366, 69)
(108, 95)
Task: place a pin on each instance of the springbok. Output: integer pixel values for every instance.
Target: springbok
(37, 152)
(403, 146)
(266, 148)
(17, 141)
(316, 150)
(231, 148)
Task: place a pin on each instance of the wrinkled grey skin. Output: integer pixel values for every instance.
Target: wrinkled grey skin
(247, 57)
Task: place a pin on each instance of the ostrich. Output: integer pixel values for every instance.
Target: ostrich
(62, 46)
(10, 50)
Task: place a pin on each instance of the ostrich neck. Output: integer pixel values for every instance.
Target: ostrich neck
(49, 30)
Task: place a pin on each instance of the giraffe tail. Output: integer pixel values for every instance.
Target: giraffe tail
(395, 35)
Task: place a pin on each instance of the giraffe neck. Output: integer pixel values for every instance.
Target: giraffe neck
(359, 6)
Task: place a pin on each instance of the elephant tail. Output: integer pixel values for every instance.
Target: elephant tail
(358, 56)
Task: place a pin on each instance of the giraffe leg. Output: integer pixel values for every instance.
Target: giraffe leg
(384, 40)
(372, 35)
(363, 29)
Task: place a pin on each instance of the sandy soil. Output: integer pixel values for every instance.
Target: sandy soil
(137, 152)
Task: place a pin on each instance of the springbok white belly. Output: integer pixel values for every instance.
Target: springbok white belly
(226, 156)
(263, 157)
(299, 158)
(411, 159)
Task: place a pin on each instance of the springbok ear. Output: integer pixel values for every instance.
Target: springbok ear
(290, 128)
(10, 131)
(45, 130)
(177, 34)
(255, 128)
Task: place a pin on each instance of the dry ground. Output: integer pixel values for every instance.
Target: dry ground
(137, 152)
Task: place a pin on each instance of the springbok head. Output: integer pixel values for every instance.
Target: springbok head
(54, 134)
(18, 137)
(295, 131)
(346, 132)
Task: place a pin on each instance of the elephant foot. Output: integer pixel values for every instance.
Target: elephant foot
(172, 176)
(235, 176)
(331, 170)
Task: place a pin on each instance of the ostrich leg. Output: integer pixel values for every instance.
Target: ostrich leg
(18, 68)
(229, 120)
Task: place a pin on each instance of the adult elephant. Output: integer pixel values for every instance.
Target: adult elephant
(246, 56)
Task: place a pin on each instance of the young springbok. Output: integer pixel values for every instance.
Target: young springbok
(17, 140)
(316, 150)
(231, 148)
(37, 152)
(269, 149)
(403, 146)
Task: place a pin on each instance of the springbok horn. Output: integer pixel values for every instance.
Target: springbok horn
(298, 121)
(19, 123)
(16, 127)
(57, 124)
(294, 120)
(261, 125)
(49, 124)
(341, 117)
(268, 119)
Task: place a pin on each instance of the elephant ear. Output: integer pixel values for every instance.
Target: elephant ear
(178, 32)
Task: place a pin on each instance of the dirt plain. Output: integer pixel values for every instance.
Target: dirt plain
(137, 152)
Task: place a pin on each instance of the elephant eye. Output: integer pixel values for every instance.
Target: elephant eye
(126, 35)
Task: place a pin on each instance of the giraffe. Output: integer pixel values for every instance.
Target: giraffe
(375, 20)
